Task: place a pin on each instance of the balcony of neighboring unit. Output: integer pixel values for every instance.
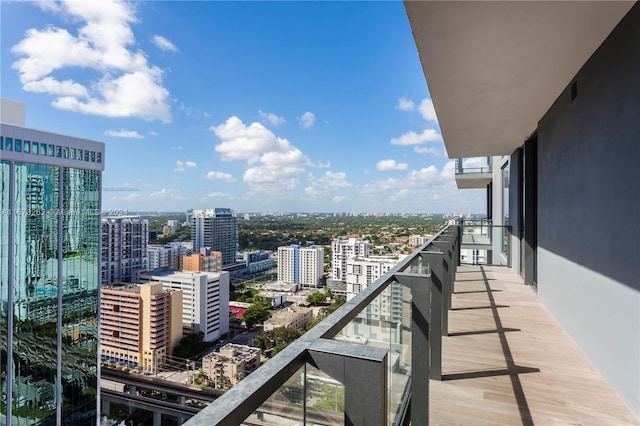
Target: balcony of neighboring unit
(469, 344)
(473, 173)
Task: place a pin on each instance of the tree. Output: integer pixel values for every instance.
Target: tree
(190, 345)
(256, 313)
(317, 298)
(327, 310)
(273, 341)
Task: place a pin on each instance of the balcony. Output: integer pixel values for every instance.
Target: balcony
(483, 351)
(473, 172)
(481, 242)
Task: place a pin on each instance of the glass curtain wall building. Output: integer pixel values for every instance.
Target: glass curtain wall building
(49, 282)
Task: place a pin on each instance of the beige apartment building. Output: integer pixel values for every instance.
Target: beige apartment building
(205, 261)
(294, 317)
(140, 324)
(231, 364)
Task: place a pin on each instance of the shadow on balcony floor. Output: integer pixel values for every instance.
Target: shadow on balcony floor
(511, 363)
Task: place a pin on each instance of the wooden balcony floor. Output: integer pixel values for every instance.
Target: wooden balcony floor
(507, 361)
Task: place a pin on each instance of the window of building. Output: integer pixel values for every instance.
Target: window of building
(8, 144)
(34, 148)
(18, 145)
(116, 308)
(116, 333)
(93, 156)
(59, 151)
(26, 147)
(43, 149)
(99, 157)
(72, 153)
(51, 150)
(86, 155)
(65, 152)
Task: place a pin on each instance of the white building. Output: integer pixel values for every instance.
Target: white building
(342, 250)
(363, 271)
(166, 256)
(124, 248)
(301, 265)
(205, 301)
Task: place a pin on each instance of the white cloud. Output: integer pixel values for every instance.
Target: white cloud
(423, 185)
(164, 44)
(167, 194)
(122, 133)
(427, 110)
(272, 118)
(389, 165)
(152, 133)
(276, 163)
(265, 179)
(215, 175)
(180, 165)
(413, 138)
(125, 84)
(219, 195)
(425, 150)
(240, 142)
(405, 104)
(327, 184)
(307, 119)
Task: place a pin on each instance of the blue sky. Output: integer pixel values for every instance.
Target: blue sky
(256, 106)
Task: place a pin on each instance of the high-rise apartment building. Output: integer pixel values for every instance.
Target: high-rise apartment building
(301, 265)
(166, 256)
(343, 249)
(363, 271)
(49, 273)
(217, 229)
(140, 324)
(124, 248)
(205, 299)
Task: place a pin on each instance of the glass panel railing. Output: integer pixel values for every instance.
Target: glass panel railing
(482, 243)
(386, 323)
(324, 398)
(285, 406)
(473, 165)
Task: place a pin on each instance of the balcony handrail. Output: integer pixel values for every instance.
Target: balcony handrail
(461, 169)
(247, 396)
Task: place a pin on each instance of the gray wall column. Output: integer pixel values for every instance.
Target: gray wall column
(363, 371)
(420, 344)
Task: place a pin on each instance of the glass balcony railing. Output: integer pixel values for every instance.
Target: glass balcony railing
(473, 165)
(367, 361)
(483, 243)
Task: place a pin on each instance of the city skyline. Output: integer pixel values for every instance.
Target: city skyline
(256, 106)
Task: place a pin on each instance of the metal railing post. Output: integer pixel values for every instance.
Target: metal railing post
(420, 343)
(363, 372)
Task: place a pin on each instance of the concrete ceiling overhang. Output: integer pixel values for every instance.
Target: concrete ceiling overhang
(495, 68)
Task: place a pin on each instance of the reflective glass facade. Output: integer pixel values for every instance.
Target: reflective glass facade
(49, 265)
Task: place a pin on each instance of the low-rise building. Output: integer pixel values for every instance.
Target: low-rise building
(294, 317)
(140, 324)
(232, 364)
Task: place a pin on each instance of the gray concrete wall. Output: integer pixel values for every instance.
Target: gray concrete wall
(589, 210)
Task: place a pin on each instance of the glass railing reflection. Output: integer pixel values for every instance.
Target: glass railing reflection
(386, 323)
